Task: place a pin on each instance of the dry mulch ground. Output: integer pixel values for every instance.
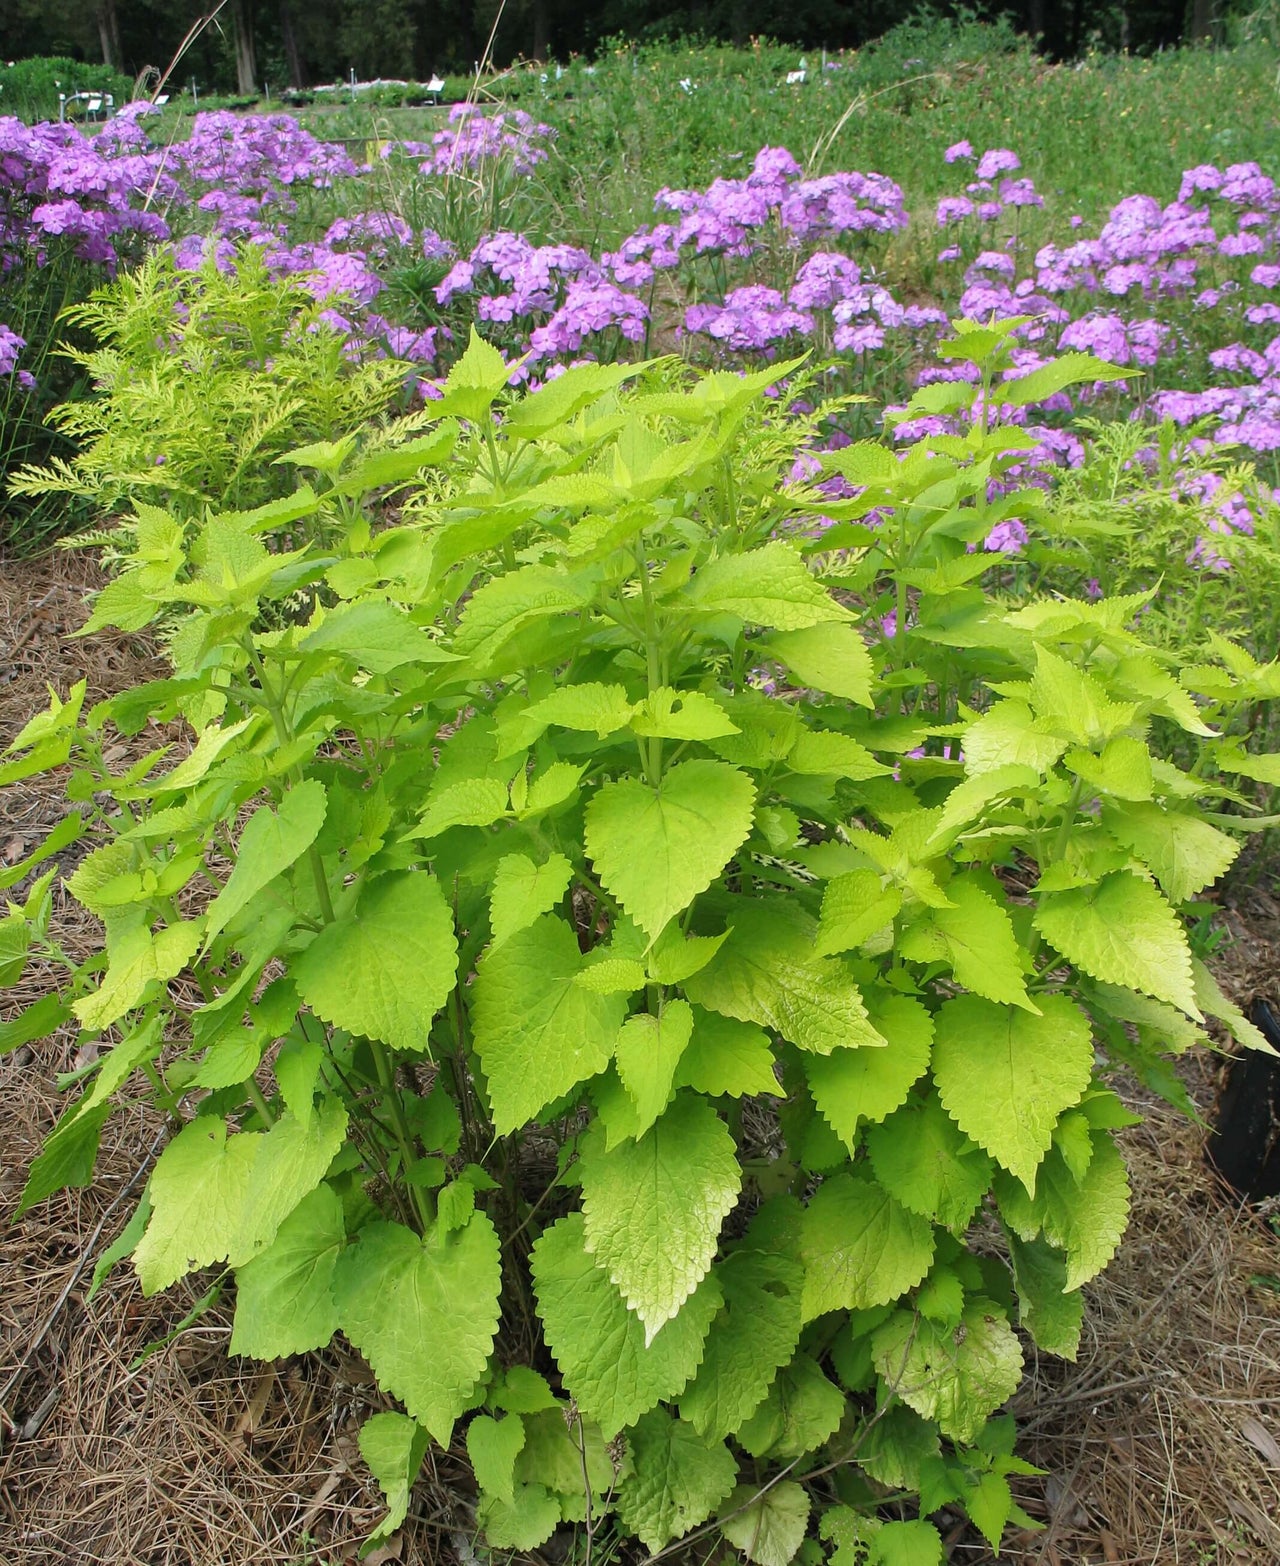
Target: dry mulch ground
(1161, 1444)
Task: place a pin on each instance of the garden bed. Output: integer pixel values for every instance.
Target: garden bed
(1161, 1444)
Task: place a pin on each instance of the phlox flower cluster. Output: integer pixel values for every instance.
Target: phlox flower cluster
(472, 139)
(11, 345)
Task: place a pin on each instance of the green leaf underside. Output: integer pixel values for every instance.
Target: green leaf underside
(423, 1312)
(537, 1032)
(656, 849)
(957, 1375)
(680, 1477)
(270, 843)
(757, 1329)
(400, 941)
(768, 1528)
(284, 1296)
(653, 1207)
(1005, 1075)
(216, 1197)
(613, 1374)
(393, 1447)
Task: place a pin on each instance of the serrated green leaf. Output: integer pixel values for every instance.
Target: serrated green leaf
(647, 1056)
(674, 958)
(468, 802)
(682, 715)
(727, 1057)
(679, 1479)
(820, 753)
(529, 1521)
(922, 1157)
(522, 890)
(768, 1528)
(1123, 932)
(137, 960)
(1053, 1317)
(757, 1329)
(1005, 1075)
(767, 973)
(399, 945)
(393, 1447)
(975, 935)
(1084, 1218)
(600, 1346)
(653, 1207)
(850, 1086)
(915, 1543)
(958, 1375)
(36, 1022)
(376, 635)
(1215, 1004)
(831, 658)
(799, 1414)
(1065, 369)
(1184, 853)
(538, 1033)
(68, 1155)
(854, 907)
(769, 586)
(1006, 736)
(521, 1391)
(600, 709)
(612, 975)
(1122, 768)
(423, 1312)
(284, 1298)
(656, 849)
(493, 1446)
(216, 1197)
(1071, 704)
(496, 611)
(861, 1247)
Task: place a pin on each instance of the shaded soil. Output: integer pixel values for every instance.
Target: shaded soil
(1160, 1445)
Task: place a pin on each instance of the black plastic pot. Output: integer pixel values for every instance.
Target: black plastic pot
(1245, 1145)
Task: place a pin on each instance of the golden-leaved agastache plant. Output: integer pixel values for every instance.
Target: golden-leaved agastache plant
(603, 943)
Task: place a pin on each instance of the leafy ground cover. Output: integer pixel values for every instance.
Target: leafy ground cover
(670, 848)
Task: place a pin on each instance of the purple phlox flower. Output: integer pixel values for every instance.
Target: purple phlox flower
(823, 280)
(989, 211)
(1239, 360)
(1265, 275)
(997, 261)
(642, 254)
(1245, 185)
(750, 319)
(951, 253)
(996, 161)
(1204, 177)
(591, 305)
(1020, 193)
(1262, 314)
(11, 345)
(953, 209)
(1006, 538)
(958, 150)
(1093, 588)
(1206, 558)
(1241, 245)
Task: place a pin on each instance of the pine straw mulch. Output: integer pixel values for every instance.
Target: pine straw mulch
(1161, 1443)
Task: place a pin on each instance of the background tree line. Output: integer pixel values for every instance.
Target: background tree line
(302, 42)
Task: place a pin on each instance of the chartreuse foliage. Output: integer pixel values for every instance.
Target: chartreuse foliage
(592, 920)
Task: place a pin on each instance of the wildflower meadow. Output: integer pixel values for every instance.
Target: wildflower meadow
(719, 621)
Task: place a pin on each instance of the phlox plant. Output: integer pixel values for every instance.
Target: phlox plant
(662, 1019)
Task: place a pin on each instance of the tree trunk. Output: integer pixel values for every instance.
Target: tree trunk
(242, 37)
(541, 32)
(292, 54)
(109, 34)
(1202, 25)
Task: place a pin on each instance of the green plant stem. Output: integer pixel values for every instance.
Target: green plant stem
(259, 1102)
(422, 1201)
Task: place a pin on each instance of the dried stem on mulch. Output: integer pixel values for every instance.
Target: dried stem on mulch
(1161, 1443)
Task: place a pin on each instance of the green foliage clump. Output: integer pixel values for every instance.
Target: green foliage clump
(202, 381)
(30, 88)
(642, 947)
